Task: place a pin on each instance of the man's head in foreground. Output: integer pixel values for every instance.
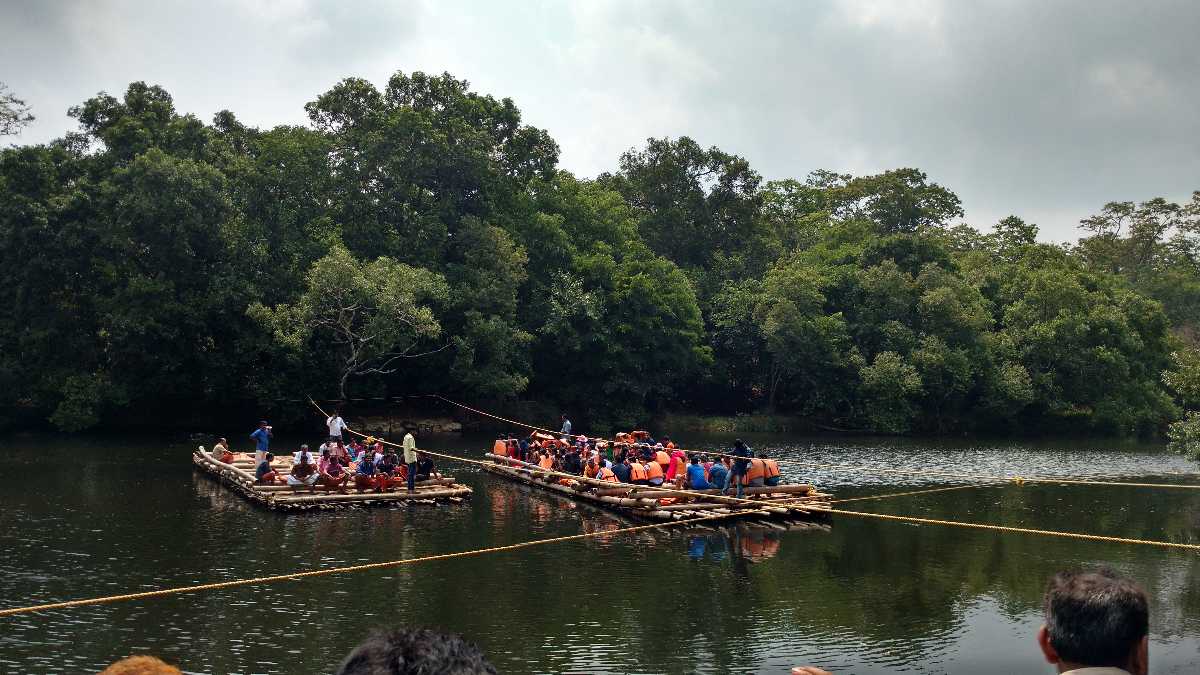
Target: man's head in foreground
(1095, 619)
(415, 652)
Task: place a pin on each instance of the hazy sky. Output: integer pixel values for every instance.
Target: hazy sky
(1045, 109)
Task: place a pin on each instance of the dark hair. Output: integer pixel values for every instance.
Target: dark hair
(400, 652)
(1095, 618)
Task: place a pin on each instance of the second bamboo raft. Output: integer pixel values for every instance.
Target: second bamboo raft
(782, 502)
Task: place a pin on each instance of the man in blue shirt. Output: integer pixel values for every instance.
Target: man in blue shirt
(262, 439)
(695, 475)
(718, 475)
(623, 470)
(566, 427)
(364, 476)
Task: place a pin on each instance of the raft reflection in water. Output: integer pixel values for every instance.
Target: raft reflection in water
(745, 542)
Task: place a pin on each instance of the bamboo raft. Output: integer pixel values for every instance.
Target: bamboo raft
(781, 502)
(238, 476)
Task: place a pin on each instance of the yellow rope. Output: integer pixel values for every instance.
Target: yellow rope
(914, 492)
(911, 519)
(1018, 530)
(340, 570)
(911, 472)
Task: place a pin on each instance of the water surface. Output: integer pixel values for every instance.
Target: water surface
(866, 596)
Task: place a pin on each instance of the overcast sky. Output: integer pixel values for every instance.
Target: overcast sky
(1043, 109)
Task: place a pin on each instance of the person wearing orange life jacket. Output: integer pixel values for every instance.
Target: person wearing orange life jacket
(592, 468)
(654, 473)
(771, 476)
(662, 458)
(668, 444)
(546, 461)
(755, 473)
(605, 473)
(637, 472)
(500, 447)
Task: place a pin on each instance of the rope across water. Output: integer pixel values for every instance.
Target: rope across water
(911, 472)
(144, 595)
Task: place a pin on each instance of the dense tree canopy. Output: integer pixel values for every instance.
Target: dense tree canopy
(421, 238)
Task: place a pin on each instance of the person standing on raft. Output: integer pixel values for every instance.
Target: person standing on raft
(410, 458)
(336, 425)
(262, 440)
(741, 465)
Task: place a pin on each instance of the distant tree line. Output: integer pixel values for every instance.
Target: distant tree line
(421, 238)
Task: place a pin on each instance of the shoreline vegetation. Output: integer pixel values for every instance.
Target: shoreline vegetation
(421, 238)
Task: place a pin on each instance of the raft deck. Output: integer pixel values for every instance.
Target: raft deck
(238, 476)
(781, 502)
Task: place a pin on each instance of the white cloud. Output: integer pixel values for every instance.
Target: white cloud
(1045, 110)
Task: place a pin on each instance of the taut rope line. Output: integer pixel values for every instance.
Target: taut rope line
(340, 570)
(906, 519)
(846, 467)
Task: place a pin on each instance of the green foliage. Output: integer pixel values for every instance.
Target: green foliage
(14, 113)
(155, 263)
(1184, 435)
(375, 315)
(890, 386)
(1184, 376)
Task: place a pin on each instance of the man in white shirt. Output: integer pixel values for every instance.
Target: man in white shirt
(336, 426)
(410, 459)
(1097, 623)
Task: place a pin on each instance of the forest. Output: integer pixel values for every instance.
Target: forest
(420, 238)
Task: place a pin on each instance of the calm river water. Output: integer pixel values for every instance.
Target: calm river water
(104, 516)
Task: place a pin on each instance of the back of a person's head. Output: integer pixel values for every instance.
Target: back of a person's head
(140, 665)
(1095, 618)
(415, 652)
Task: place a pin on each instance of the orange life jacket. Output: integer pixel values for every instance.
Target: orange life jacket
(606, 473)
(771, 467)
(755, 470)
(637, 471)
(653, 470)
(546, 462)
(500, 448)
(662, 458)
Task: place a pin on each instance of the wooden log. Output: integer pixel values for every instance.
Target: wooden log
(630, 503)
(350, 485)
(207, 456)
(399, 496)
(690, 505)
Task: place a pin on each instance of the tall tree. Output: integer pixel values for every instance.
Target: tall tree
(376, 315)
(14, 112)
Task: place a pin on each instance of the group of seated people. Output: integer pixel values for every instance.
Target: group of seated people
(636, 458)
(372, 466)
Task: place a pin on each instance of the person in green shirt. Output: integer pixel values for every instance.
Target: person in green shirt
(410, 458)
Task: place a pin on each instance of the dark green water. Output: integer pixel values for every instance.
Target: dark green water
(865, 597)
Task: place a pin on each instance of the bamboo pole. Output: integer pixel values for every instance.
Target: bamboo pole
(398, 496)
(350, 485)
(245, 476)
